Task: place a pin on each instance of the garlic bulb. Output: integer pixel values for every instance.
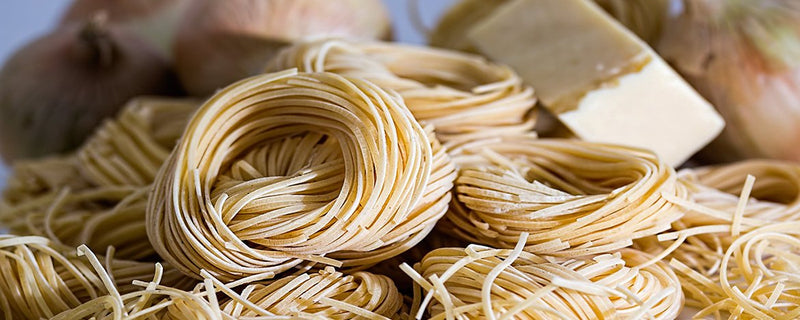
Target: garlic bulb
(743, 56)
(57, 89)
(219, 42)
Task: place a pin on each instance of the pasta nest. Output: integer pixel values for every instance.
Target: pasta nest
(573, 198)
(462, 95)
(285, 169)
(479, 282)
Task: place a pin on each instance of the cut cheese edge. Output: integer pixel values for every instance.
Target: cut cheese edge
(601, 81)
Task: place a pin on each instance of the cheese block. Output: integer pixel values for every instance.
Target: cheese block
(602, 82)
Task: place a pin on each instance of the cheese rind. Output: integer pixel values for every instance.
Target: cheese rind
(605, 84)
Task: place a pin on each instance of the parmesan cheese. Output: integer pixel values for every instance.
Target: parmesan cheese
(601, 81)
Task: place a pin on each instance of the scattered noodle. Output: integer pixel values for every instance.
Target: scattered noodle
(750, 274)
(484, 283)
(326, 294)
(285, 169)
(40, 279)
(462, 95)
(573, 198)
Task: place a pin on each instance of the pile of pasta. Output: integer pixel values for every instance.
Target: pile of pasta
(383, 181)
(462, 95)
(98, 195)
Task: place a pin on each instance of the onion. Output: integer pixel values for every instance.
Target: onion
(55, 90)
(744, 56)
(153, 20)
(219, 42)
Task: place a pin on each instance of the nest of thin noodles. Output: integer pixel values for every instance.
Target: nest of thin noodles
(480, 282)
(572, 198)
(289, 170)
(462, 95)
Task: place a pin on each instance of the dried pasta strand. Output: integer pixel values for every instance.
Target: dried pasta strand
(749, 275)
(39, 279)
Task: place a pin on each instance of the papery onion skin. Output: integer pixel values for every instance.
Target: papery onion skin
(742, 56)
(58, 88)
(219, 42)
(153, 20)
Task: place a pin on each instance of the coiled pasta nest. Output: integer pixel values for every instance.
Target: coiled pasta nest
(462, 95)
(479, 282)
(286, 169)
(573, 198)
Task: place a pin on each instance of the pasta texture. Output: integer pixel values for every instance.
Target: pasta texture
(480, 282)
(39, 279)
(737, 256)
(129, 149)
(98, 195)
(572, 198)
(289, 170)
(325, 294)
(462, 95)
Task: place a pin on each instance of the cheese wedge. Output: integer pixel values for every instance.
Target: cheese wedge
(601, 81)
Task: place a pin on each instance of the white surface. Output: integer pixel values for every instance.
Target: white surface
(23, 20)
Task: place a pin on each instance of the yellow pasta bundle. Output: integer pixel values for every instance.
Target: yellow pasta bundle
(97, 217)
(462, 95)
(573, 198)
(31, 179)
(98, 195)
(285, 169)
(129, 149)
(39, 280)
(485, 283)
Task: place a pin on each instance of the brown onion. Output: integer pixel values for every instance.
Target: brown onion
(219, 42)
(744, 57)
(153, 20)
(56, 89)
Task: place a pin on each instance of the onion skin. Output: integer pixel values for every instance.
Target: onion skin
(153, 20)
(742, 56)
(219, 42)
(58, 88)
